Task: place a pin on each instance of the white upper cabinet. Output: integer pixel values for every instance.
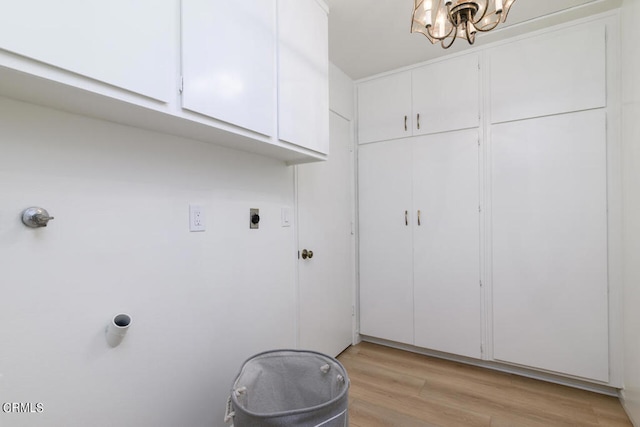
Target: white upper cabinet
(250, 75)
(439, 97)
(554, 73)
(303, 74)
(228, 61)
(446, 95)
(384, 108)
(126, 44)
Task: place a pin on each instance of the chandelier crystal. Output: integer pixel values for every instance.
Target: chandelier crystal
(446, 20)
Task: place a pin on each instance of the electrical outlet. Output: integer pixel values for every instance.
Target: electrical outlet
(254, 218)
(197, 220)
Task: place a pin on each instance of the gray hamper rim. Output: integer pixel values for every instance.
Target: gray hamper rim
(238, 406)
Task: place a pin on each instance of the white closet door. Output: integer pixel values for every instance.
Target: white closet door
(325, 282)
(229, 61)
(549, 222)
(549, 74)
(446, 95)
(447, 243)
(386, 270)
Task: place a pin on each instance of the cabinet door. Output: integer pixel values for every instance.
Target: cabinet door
(447, 243)
(384, 108)
(128, 44)
(303, 74)
(386, 286)
(228, 61)
(554, 73)
(549, 238)
(446, 96)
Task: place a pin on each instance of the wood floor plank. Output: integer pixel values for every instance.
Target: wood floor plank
(367, 414)
(373, 374)
(420, 366)
(391, 387)
(415, 407)
(503, 401)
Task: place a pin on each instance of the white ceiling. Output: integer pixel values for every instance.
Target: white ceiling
(368, 37)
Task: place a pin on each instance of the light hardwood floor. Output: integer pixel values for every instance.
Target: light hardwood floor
(392, 387)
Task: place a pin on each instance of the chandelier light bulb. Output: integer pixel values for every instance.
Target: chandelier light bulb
(445, 20)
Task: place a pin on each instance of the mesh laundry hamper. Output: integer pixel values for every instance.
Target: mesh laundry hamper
(289, 388)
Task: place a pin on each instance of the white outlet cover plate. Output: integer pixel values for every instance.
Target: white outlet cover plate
(197, 218)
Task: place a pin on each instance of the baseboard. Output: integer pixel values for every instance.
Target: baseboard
(621, 396)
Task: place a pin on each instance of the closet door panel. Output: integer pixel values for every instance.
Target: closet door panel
(549, 239)
(447, 243)
(232, 82)
(446, 95)
(384, 108)
(386, 278)
(549, 74)
(128, 44)
(303, 74)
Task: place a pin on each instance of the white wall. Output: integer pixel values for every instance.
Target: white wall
(342, 101)
(201, 302)
(631, 208)
(341, 92)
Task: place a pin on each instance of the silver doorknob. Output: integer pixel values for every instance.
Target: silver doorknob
(307, 254)
(35, 217)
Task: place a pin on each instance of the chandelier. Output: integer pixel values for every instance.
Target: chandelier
(445, 20)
